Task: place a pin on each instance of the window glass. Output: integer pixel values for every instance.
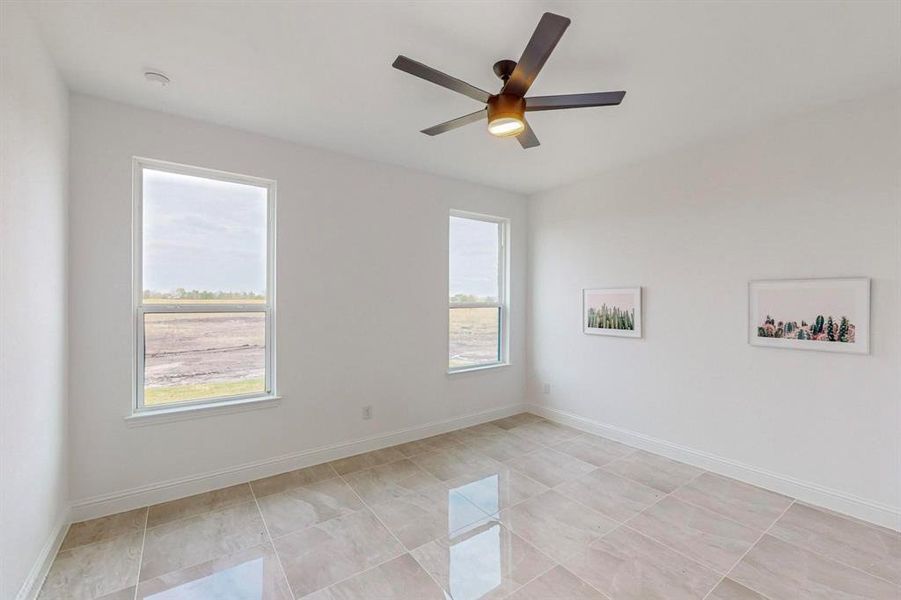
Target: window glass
(205, 311)
(203, 239)
(474, 260)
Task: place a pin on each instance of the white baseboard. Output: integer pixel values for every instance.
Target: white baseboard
(848, 504)
(31, 587)
(108, 504)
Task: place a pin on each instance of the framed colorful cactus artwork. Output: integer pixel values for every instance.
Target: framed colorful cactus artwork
(612, 311)
(829, 315)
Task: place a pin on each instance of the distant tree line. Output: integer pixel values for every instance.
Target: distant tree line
(183, 294)
(607, 317)
(471, 299)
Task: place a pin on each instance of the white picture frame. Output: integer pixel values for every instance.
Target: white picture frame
(780, 311)
(620, 300)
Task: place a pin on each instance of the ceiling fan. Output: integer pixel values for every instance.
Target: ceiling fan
(506, 110)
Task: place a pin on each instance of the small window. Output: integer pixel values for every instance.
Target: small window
(477, 304)
(204, 286)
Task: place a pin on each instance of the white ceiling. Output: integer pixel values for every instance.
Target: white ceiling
(320, 73)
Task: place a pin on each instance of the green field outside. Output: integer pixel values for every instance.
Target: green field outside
(154, 396)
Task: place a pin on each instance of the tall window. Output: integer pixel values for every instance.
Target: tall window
(204, 286)
(477, 308)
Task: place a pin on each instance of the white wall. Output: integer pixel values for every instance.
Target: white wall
(353, 236)
(33, 206)
(814, 196)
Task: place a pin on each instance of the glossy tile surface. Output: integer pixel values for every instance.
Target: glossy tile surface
(558, 584)
(366, 460)
(595, 450)
(550, 467)
(420, 517)
(399, 579)
(778, 569)
(497, 488)
(329, 552)
(705, 536)
(519, 509)
(201, 503)
(95, 530)
(742, 502)
(872, 549)
(487, 562)
(730, 590)
(654, 471)
(629, 566)
(186, 542)
(94, 570)
(252, 573)
(301, 507)
(617, 497)
(292, 479)
(556, 525)
(390, 481)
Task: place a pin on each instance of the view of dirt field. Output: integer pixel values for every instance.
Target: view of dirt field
(189, 356)
(473, 336)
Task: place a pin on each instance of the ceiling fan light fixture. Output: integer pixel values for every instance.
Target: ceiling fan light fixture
(506, 115)
(504, 126)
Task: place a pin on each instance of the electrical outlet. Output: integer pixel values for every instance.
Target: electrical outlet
(547, 388)
(367, 413)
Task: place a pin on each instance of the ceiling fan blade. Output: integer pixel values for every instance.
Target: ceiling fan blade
(527, 139)
(408, 65)
(458, 122)
(549, 31)
(574, 100)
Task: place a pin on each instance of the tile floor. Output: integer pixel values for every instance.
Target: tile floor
(521, 508)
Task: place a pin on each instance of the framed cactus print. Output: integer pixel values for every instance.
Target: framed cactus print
(828, 315)
(612, 311)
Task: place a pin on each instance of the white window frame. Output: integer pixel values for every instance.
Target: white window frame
(140, 309)
(502, 303)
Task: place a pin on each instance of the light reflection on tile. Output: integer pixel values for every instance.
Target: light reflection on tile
(420, 517)
(483, 530)
(252, 574)
(485, 563)
(179, 544)
(499, 489)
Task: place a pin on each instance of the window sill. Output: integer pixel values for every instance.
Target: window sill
(478, 368)
(196, 411)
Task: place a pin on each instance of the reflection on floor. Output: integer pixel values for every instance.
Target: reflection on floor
(520, 508)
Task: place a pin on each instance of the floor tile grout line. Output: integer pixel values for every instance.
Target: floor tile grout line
(403, 547)
(748, 551)
(141, 555)
(832, 559)
(703, 471)
(278, 557)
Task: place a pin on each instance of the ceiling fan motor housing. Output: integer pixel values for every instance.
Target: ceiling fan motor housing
(506, 106)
